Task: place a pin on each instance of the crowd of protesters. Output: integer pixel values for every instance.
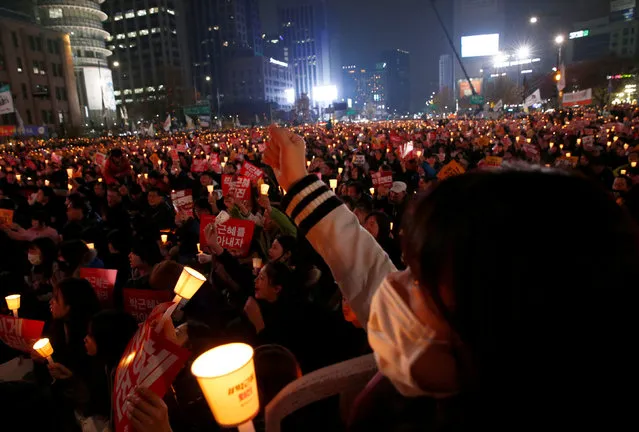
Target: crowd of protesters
(484, 262)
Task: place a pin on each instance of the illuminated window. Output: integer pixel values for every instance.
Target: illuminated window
(131, 34)
(117, 17)
(129, 14)
(138, 90)
(174, 31)
(55, 13)
(121, 46)
(150, 89)
(127, 92)
(216, 28)
(142, 12)
(170, 11)
(144, 32)
(109, 38)
(155, 30)
(161, 86)
(116, 92)
(225, 43)
(120, 36)
(153, 10)
(111, 47)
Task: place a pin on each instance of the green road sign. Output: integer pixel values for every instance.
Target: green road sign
(477, 100)
(351, 112)
(197, 110)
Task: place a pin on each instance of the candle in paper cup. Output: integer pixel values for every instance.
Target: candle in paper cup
(625, 146)
(568, 154)
(226, 375)
(622, 172)
(633, 164)
(226, 159)
(210, 188)
(189, 282)
(340, 170)
(257, 263)
(69, 186)
(333, 183)
(551, 145)
(199, 250)
(100, 180)
(146, 176)
(70, 172)
(13, 303)
(46, 182)
(372, 191)
(91, 246)
(308, 163)
(391, 226)
(44, 348)
(164, 238)
(223, 164)
(264, 189)
(18, 177)
(578, 141)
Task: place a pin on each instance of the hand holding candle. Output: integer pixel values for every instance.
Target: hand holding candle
(187, 285)
(44, 348)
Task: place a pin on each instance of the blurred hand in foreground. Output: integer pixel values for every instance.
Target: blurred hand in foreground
(286, 154)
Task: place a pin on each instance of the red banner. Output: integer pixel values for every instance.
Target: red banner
(7, 130)
(150, 360)
(20, 333)
(383, 178)
(234, 235)
(181, 148)
(102, 281)
(251, 171)
(140, 302)
(183, 203)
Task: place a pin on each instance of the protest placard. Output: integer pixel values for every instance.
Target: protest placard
(150, 360)
(20, 333)
(140, 302)
(102, 281)
(451, 169)
(382, 178)
(251, 171)
(183, 203)
(234, 234)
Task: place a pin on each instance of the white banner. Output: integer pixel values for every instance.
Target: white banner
(498, 106)
(533, 99)
(583, 97)
(619, 5)
(167, 123)
(6, 100)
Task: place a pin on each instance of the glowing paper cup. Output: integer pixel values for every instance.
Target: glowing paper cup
(226, 375)
(46, 182)
(264, 189)
(13, 303)
(18, 177)
(189, 282)
(44, 348)
(210, 189)
(333, 183)
(372, 191)
(164, 238)
(70, 172)
(257, 263)
(91, 245)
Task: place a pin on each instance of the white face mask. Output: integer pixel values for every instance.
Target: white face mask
(34, 259)
(399, 340)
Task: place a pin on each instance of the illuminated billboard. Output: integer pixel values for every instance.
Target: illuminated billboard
(464, 87)
(480, 45)
(325, 93)
(98, 84)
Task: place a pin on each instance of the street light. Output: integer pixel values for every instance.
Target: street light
(533, 20)
(559, 39)
(208, 78)
(116, 64)
(523, 53)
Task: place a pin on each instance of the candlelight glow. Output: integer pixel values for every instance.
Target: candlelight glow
(70, 172)
(257, 263)
(189, 282)
(264, 189)
(44, 348)
(164, 238)
(226, 375)
(13, 301)
(333, 183)
(91, 246)
(210, 188)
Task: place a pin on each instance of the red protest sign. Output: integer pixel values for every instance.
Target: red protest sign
(383, 178)
(140, 302)
(240, 189)
(251, 171)
(227, 180)
(150, 360)
(181, 148)
(183, 203)
(199, 165)
(234, 234)
(19, 333)
(102, 281)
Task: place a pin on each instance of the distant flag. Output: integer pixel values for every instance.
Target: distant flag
(533, 99)
(150, 131)
(561, 85)
(6, 100)
(189, 122)
(20, 123)
(498, 106)
(167, 123)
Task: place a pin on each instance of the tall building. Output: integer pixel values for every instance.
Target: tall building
(82, 21)
(377, 87)
(259, 80)
(219, 31)
(398, 95)
(150, 60)
(303, 24)
(355, 84)
(446, 76)
(37, 66)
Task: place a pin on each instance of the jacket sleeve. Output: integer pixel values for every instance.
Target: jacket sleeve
(357, 262)
(283, 222)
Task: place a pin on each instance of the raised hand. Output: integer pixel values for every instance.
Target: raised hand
(286, 154)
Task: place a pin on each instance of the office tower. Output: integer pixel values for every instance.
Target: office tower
(303, 25)
(446, 72)
(398, 94)
(150, 59)
(37, 66)
(82, 21)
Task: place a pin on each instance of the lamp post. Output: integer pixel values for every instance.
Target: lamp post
(559, 40)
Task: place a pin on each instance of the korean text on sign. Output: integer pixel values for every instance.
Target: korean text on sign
(102, 281)
(383, 178)
(140, 303)
(19, 333)
(151, 361)
(234, 234)
(251, 171)
(240, 189)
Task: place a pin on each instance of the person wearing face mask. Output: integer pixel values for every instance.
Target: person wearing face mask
(42, 254)
(494, 348)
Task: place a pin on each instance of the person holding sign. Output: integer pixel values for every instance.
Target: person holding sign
(451, 322)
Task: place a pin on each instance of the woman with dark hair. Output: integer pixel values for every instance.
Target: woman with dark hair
(378, 224)
(477, 323)
(73, 255)
(73, 304)
(143, 256)
(283, 250)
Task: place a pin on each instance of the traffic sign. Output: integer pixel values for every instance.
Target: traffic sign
(477, 100)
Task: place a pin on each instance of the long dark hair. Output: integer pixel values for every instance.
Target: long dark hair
(49, 254)
(530, 302)
(112, 330)
(79, 296)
